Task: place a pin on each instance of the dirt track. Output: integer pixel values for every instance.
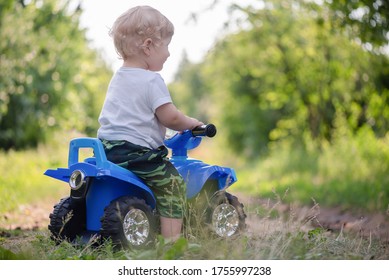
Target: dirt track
(332, 219)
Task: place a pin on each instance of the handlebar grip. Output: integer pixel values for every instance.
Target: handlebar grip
(208, 130)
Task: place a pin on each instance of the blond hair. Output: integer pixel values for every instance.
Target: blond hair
(133, 27)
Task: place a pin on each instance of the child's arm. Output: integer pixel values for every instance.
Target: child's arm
(172, 118)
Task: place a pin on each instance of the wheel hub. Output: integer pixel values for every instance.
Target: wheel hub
(136, 227)
(225, 220)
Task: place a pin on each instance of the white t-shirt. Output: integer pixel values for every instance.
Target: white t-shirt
(129, 108)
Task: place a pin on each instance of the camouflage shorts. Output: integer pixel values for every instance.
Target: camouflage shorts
(156, 171)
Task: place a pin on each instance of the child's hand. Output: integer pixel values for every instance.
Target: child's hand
(196, 123)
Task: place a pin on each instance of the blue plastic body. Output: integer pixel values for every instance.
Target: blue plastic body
(110, 181)
(195, 172)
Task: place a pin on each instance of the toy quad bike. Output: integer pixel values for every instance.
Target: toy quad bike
(113, 203)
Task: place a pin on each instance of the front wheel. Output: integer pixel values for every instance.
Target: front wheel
(129, 222)
(226, 215)
(68, 220)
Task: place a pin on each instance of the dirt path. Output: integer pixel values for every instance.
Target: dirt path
(332, 219)
(28, 217)
(36, 217)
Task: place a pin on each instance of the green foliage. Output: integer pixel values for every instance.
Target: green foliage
(292, 75)
(286, 75)
(5, 5)
(50, 78)
(366, 19)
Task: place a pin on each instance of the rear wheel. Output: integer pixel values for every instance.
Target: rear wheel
(129, 222)
(68, 220)
(226, 215)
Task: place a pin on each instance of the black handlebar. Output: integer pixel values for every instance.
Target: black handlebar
(208, 130)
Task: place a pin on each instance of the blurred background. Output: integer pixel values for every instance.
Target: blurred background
(298, 89)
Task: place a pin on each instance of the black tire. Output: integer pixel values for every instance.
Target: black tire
(226, 215)
(68, 220)
(130, 223)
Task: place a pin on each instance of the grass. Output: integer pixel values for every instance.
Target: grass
(22, 180)
(286, 237)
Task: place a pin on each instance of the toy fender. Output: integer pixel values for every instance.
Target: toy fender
(122, 177)
(99, 168)
(196, 173)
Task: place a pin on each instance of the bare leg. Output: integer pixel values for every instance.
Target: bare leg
(171, 228)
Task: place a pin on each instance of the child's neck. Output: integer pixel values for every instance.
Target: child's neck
(135, 64)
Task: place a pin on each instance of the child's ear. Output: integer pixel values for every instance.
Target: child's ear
(146, 46)
(148, 42)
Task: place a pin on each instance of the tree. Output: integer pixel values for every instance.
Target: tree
(365, 19)
(288, 74)
(49, 76)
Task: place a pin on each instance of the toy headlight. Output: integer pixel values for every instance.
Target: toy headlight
(77, 179)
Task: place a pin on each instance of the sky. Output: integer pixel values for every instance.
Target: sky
(196, 38)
